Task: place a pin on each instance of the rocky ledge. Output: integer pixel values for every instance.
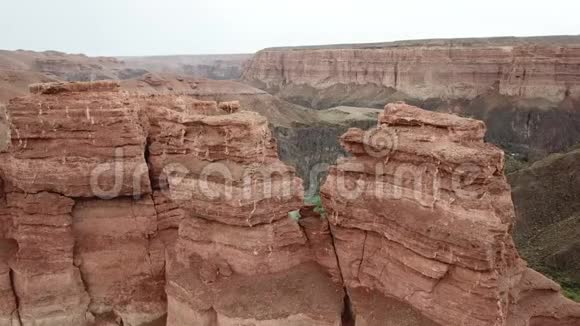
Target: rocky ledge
(120, 209)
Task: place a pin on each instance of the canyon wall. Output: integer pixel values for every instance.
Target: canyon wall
(79, 197)
(120, 208)
(526, 90)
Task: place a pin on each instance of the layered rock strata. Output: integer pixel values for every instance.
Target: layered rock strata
(121, 258)
(9, 314)
(237, 248)
(527, 90)
(422, 213)
(77, 144)
(109, 196)
(87, 252)
(48, 285)
(454, 68)
(120, 209)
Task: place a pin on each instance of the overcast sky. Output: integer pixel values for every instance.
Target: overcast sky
(149, 27)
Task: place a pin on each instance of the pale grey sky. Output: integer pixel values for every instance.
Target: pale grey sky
(149, 27)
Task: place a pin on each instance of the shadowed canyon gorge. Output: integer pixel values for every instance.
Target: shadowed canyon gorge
(368, 184)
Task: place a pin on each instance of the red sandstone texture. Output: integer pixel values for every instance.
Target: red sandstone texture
(108, 196)
(531, 68)
(82, 255)
(239, 259)
(422, 213)
(118, 209)
(527, 90)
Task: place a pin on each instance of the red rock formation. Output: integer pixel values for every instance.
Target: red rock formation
(76, 144)
(317, 231)
(120, 257)
(535, 67)
(527, 90)
(208, 208)
(230, 107)
(237, 239)
(61, 87)
(192, 219)
(81, 258)
(48, 286)
(8, 306)
(422, 213)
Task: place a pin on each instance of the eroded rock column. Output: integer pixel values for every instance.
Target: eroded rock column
(78, 191)
(48, 286)
(239, 257)
(421, 216)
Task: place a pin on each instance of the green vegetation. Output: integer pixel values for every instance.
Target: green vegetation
(317, 203)
(295, 215)
(570, 288)
(572, 292)
(514, 163)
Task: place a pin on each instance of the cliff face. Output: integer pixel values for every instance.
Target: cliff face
(80, 208)
(522, 88)
(124, 209)
(121, 209)
(236, 239)
(451, 69)
(422, 212)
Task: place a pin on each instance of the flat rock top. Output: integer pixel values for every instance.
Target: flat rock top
(65, 87)
(403, 114)
(483, 41)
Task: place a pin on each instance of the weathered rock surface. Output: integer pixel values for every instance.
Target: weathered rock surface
(77, 144)
(422, 213)
(525, 89)
(48, 287)
(191, 221)
(463, 68)
(186, 191)
(82, 259)
(9, 315)
(290, 123)
(237, 239)
(120, 258)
